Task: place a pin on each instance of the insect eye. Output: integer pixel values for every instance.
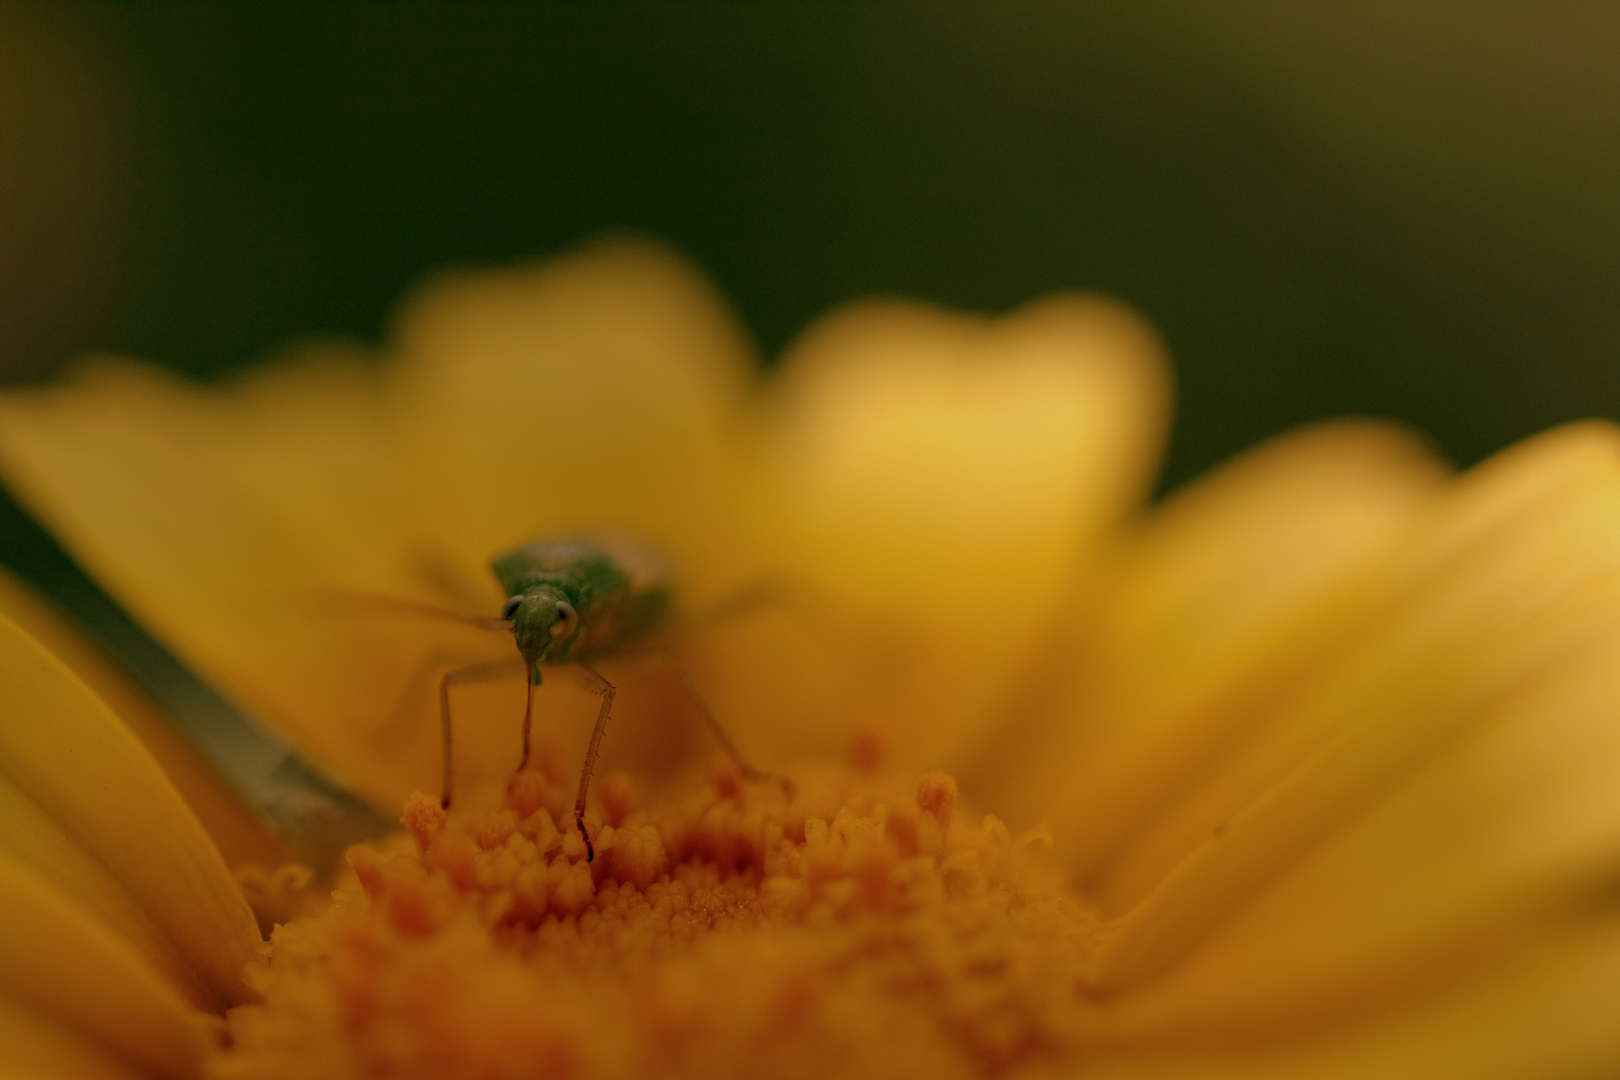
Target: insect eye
(509, 608)
(567, 619)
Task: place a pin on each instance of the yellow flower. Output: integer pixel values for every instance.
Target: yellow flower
(1324, 746)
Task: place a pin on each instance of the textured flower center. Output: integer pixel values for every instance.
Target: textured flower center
(847, 928)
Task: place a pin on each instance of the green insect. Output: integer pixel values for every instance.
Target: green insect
(570, 602)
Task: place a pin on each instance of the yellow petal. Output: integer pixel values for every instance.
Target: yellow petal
(1193, 685)
(215, 515)
(74, 993)
(921, 447)
(951, 474)
(1440, 783)
(236, 831)
(1544, 1011)
(1490, 843)
(1217, 604)
(596, 391)
(91, 812)
(220, 517)
(42, 1047)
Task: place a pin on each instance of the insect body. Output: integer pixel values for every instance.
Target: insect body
(570, 602)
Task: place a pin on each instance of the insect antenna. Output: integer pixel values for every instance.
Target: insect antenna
(360, 602)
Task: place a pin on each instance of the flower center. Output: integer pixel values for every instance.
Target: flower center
(849, 928)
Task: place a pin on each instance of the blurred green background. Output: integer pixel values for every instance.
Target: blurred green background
(1406, 211)
(1409, 212)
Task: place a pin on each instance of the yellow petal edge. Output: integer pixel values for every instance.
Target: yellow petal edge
(92, 813)
(76, 999)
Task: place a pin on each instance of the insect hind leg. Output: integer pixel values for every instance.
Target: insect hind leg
(689, 685)
(483, 671)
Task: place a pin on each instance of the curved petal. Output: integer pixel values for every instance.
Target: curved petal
(223, 518)
(88, 809)
(39, 1046)
(236, 831)
(1544, 1012)
(66, 980)
(921, 448)
(1500, 839)
(1430, 810)
(1511, 576)
(595, 391)
(951, 474)
(215, 515)
(1226, 594)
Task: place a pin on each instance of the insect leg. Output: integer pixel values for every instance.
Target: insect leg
(592, 680)
(773, 592)
(397, 726)
(482, 671)
(437, 569)
(719, 733)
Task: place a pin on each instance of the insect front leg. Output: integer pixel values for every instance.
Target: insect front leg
(591, 680)
(483, 671)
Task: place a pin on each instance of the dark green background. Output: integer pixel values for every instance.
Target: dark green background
(1276, 187)
(1393, 210)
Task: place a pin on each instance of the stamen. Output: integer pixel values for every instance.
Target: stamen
(736, 929)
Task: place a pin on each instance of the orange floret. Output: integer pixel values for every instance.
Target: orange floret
(618, 795)
(843, 930)
(936, 795)
(527, 792)
(424, 817)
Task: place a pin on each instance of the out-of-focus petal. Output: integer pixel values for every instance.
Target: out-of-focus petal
(920, 447)
(89, 811)
(1498, 842)
(73, 993)
(1546, 1009)
(951, 474)
(1511, 578)
(596, 391)
(1220, 601)
(216, 515)
(39, 1046)
(240, 836)
(1429, 808)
